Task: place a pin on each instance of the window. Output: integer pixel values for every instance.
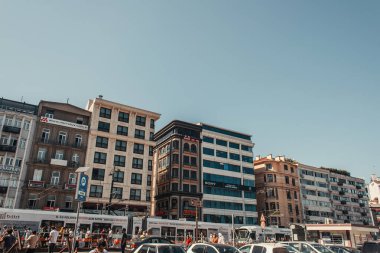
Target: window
(268, 166)
(293, 182)
(221, 142)
(193, 175)
(100, 157)
(80, 120)
(248, 170)
(135, 194)
(103, 126)
(221, 166)
(147, 195)
(69, 202)
(247, 159)
(186, 160)
(139, 134)
(138, 148)
(49, 114)
(101, 142)
(9, 161)
(234, 145)
(55, 175)
(249, 182)
(186, 188)
(78, 140)
(105, 113)
(208, 151)
(288, 195)
(290, 208)
(221, 154)
(59, 155)
(75, 158)
(121, 145)
(26, 125)
(186, 147)
(37, 175)
(291, 169)
(175, 187)
(249, 207)
(119, 160)
(151, 150)
(140, 120)
(295, 195)
(152, 123)
(136, 178)
(193, 188)
(137, 163)
(62, 138)
(122, 130)
(72, 178)
(286, 179)
(193, 148)
(150, 165)
(175, 144)
(98, 174)
(124, 117)
(234, 156)
(186, 174)
(193, 161)
(151, 136)
(50, 201)
(45, 135)
(118, 176)
(208, 139)
(286, 167)
(22, 143)
(32, 201)
(175, 173)
(117, 192)
(96, 191)
(149, 180)
(246, 148)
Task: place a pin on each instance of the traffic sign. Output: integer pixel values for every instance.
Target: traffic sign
(82, 187)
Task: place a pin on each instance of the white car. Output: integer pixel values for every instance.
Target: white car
(309, 247)
(159, 248)
(267, 248)
(211, 248)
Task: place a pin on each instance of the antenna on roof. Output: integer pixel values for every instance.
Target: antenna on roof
(67, 100)
(22, 97)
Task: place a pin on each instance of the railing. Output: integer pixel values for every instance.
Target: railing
(12, 129)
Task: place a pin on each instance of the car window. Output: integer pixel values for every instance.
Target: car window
(143, 249)
(259, 249)
(155, 240)
(371, 248)
(198, 248)
(291, 249)
(321, 248)
(163, 249)
(163, 240)
(210, 249)
(152, 249)
(177, 249)
(245, 249)
(226, 249)
(280, 250)
(295, 245)
(306, 248)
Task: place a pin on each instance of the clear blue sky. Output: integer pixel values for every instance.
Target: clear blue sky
(301, 76)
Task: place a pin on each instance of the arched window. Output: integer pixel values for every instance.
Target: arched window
(186, 147)
(193, 148)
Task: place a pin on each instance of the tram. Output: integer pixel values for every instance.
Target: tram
(247, 234)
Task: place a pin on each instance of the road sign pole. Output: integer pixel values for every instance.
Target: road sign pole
(76, 228)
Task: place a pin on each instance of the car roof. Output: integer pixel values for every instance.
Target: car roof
(159, 244)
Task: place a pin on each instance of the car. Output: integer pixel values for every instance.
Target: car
(135, 243)
(159, 248)
(342, 249)
(211, 248)
(371, 247)
(268, 248)
(309, 247)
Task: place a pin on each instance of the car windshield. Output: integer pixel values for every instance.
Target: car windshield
(291, 249)
(321, 248)
(226, 249)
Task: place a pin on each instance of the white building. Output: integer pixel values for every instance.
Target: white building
(374, 189)
(17, 124)
(228, 176)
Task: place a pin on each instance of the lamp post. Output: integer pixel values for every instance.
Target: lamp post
(111, 191)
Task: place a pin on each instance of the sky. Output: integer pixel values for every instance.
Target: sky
(302, 77)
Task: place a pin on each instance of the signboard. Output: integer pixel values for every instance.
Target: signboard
(82, 187)
(10, 169)
(63, 123)
(228, 186)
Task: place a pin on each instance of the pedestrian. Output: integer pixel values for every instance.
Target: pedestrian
(87, 238)
(220, 238)
(110, 235)
(214, 238)
(53, 237)
(211, 237)
(123, 240)
(100, 247)
(188, 241)
(31, 242)
(9, 240)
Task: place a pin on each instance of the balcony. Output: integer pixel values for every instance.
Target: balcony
(11, 129)
(58, 162)
(343, 202)
(70, 186)
(358, 187)
(361, 204)
(360, 196)
(341, 192)
(8, 148)
(36, 184)
(340, 183)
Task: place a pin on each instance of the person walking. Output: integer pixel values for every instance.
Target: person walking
(124, 240)
(110, 235)
(220, 238)
(214, 238)
(53, 237)
(100, 247)
(31, 242)
(9, 240)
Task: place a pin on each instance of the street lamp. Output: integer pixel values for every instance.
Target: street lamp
(111, 191)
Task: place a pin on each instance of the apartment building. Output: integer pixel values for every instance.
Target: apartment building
(120, 157)
(349, 198)
(278, 190)
(374, 201)
(17, 124)
(228, 176)
(315, 194)
(59, 148)
(177, 171)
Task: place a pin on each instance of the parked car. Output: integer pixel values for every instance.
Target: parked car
(342, 249)
(159, 248)
(268, 248)
(135, 243)
(371, 247)
(309, 247)
(211, 248)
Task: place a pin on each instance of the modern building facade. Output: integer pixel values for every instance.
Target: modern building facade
(315, 194)
(120, 157)
(17, 124)
(278, 190)
(177, 171)
(349, 198)
(59, 148)
(228, 183)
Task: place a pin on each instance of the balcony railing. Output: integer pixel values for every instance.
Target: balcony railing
(36, 184)
(11, 129)
(8, 148)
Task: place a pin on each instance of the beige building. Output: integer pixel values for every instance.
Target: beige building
(120, 157)
(277, 185)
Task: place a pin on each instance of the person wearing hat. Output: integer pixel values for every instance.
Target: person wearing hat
(100, 247)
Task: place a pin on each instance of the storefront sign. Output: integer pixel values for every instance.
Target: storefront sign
(10, 169)
(228, 186)
(63, 123)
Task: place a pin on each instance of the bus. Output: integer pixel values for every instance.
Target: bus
(177, 230)
(248, 234)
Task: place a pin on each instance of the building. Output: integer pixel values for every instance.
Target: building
(315, 194)
(177, 171)
(120, 157)
(59, 148)
(278, 190)
(228, 176)
(349, 198)
(17, 124)
(374, 199)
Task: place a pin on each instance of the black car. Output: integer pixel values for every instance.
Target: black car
(371, 247)
(134, 244)
(341, 249)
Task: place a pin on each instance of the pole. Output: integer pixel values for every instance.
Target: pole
(76, 228)
(196, 223)
(233, 231)
(110, 200)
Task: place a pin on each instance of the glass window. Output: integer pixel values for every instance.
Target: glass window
(246, 148)
(152, 123)
(96, 191)
(139, 134)
(150, 165)
(221, 142)
(105, 113)
(118, 176)
(138, 148)
(140, 120)
(137, 163)
(136, 178)
(37, 175)
(62, 138)
(117, 192)
(247, 159)
(100, 157)
(248, 170)
(98, 174)
(121, 145)
(221, 154)
(103, 126)
(208, 151)
(208, 139)
(135, 194)
(101, 142)
(234, 156)
(122, 130)
(124, 117)
(234, 145)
